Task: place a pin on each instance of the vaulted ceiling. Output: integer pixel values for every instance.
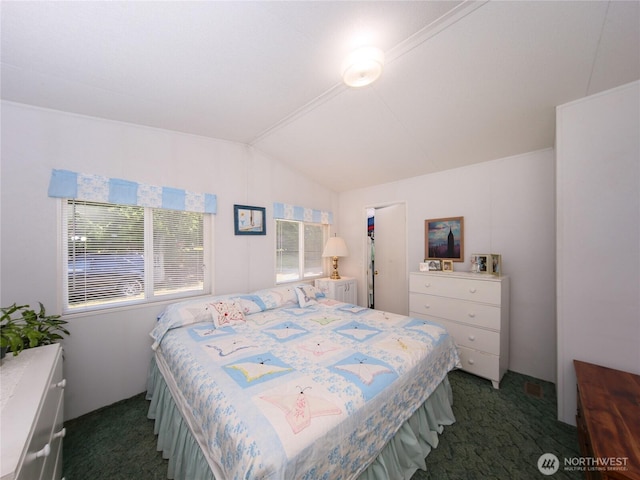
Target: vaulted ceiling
(464, 82)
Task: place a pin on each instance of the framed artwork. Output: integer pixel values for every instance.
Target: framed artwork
(444, 238)
(249, 220)
(447, 265)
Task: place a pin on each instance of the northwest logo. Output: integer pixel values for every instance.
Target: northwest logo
(548, 464)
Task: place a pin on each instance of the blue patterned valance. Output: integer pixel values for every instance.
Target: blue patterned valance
(285, 211)
(96, 188)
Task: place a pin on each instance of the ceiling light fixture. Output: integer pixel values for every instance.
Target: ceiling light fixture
(362, 66)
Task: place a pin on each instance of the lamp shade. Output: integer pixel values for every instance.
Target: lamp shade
(335, 247)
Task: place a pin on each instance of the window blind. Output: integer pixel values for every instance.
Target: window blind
(118, 254)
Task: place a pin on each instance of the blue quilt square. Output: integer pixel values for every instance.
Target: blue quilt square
(357, 331)
(369, 374)
(257, 369)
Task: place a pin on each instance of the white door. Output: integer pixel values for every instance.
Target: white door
(390, 290)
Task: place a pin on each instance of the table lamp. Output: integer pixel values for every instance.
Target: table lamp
(334, 248)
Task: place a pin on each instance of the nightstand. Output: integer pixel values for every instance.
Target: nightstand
(344, 290)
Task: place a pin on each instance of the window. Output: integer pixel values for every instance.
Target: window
(299, 250)
(117, 254)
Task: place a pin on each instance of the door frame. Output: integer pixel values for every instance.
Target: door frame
(364, 244)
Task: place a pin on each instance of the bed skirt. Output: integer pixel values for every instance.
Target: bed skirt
(401, 457)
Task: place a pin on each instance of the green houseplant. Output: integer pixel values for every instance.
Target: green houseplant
(22, 327)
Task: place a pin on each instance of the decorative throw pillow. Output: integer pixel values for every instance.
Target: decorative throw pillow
(250, 304)
(225, 313)
(194, 313)
(306, 295)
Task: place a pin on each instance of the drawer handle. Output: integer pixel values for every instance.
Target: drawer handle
(427, 285)
(61, 384)
(471, 361)
(472, 315)
(61, 434)
(427, 307)
(46, 450)
(472, 290)
(472, 337)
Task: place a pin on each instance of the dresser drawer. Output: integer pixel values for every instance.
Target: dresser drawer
(446, 285)
(480, 363)
(53, 463)
(473, 337)
(478, 314)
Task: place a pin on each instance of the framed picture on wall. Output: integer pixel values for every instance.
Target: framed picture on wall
(249, 220)
(444, 238)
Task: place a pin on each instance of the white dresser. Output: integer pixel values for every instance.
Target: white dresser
(474, 308)
(344, 290)
(32, 414)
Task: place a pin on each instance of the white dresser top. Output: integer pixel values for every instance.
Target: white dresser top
(11, 371)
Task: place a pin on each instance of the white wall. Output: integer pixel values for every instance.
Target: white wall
(508, 207)
(598, 236)
(107, 354)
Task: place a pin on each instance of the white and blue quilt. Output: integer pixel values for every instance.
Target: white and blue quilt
(282, 392)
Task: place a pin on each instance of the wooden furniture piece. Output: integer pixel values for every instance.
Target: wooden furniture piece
(344, 290)
(474, 308)
(608, 421)
(32, 414)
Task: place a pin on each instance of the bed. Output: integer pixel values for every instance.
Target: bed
(284, 383)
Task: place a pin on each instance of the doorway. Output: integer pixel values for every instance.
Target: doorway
(387, 258)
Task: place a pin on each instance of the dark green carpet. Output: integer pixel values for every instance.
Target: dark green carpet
(498, 434)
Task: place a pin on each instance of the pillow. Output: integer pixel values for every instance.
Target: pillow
(277, 297)
(306, 295)
(194, 313)
(182, 314)
(226, 313)
(250, 304)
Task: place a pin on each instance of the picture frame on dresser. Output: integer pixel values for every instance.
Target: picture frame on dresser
(496, 264)
(434, 265)
(481, 263)
(487, 263)
(444, 238)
